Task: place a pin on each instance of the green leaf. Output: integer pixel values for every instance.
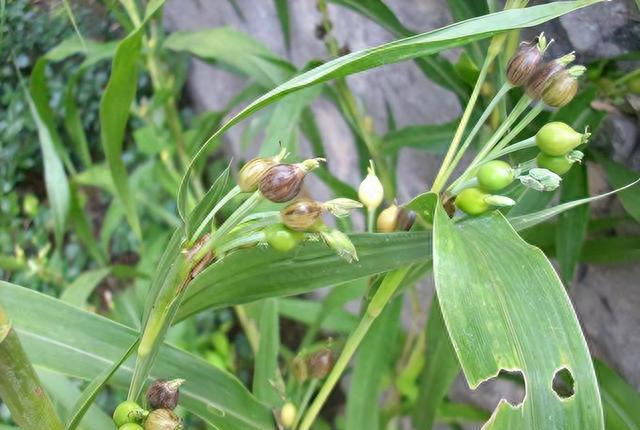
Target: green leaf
(89, 394)
(252, 274)
(68, 340)
(372, 362)
(64, 392)
(617, 176)
(114, 114)
(308, 312)
(411, 47)
(55, 178)
(611, 250)
(78, 292)
(522, 222)
(441, 368)
(433, 138)
(282, 7)
(267, 382)
(202, 210)
(505, 308)
(237, 50)
(82, 226)
(620, 400)
(571, 229)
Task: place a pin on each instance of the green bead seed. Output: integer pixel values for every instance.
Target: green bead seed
(281, 238)
(558, 165)
(557, 138)
(127, 412)
(495, 175)
(472, 201)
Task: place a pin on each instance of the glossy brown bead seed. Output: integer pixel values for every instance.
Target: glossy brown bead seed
(251, 173)
(541, 78)
(321, 363)
(561, 90)
(301, 214)
(282, 182)
(523, 64)
(164, 394)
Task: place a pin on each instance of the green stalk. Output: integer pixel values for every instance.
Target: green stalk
(533, 113)
(492, 53)
(371, 216)
(305, 400)
(501, 93)
(205, 222)
(523, 144)
(489, 145)
(388, 287)
(20, 388)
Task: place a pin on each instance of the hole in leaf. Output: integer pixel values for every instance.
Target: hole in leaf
(508, 385)
(563, 383)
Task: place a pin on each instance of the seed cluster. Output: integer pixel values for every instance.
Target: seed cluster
(162, 398)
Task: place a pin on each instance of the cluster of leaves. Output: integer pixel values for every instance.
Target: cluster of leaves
(154, 155)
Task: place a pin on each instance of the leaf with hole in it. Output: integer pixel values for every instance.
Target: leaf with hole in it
(505, 308)
(252, 274)
(404, 49)
(619, 399)
(80, 344)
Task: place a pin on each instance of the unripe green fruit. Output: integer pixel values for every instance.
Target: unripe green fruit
(495, 175)
(128, 412)
(472, 201)
(131, 426)
(281, 238)
(557, 138)
(558, 165)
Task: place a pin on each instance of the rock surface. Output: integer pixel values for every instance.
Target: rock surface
(607, 299)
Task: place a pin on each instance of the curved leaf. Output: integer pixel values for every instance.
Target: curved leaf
(257, 273)
(411, 47)
(68, 340)
(505, 308)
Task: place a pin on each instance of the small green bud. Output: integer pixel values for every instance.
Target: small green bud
(288, 415)
(495, 175)
(282, 238)
(560, 164)
(472, 201)
(371, 192)
(128, 412)
(557, 138)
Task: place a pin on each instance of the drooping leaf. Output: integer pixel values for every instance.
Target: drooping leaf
(571, 228)
(411, 47)
(252, 274)
(307, 312)
(68, 340)
(505, 308)
(282, 7)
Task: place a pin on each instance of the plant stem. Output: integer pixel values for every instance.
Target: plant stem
(305, 401)
(442, 176)
(388, 287)
(20, 388)
(489, 145)
(533, 113)
(523, 144)
(472, 134)
(205, 222)
(371, 216)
